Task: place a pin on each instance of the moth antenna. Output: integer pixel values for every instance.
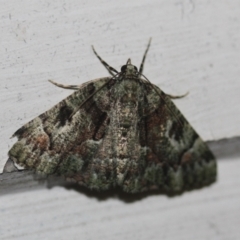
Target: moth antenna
(106, 65)
(144, 57)
(177, 97)
(72, 87)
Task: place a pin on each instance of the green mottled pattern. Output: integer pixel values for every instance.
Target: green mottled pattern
(128, 134)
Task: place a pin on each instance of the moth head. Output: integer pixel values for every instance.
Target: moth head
(129, 69)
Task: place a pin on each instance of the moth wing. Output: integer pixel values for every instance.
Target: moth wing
(176, 156)
(53, 137)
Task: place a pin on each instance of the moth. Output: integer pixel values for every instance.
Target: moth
(117, 131)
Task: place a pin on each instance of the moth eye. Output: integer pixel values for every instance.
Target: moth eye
(135, 68)
(123, 68)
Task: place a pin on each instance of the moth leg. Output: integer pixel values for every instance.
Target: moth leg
(176, 97)
(73, 87)
(109, 68)
(144, 56)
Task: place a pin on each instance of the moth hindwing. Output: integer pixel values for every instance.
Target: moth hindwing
(119, 130)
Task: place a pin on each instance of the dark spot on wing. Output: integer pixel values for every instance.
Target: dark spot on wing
(111, 83)
(100, 128)
(176, 130)
(64, 114)
(20, 132)
(91, 88)
(207, 155)
(99, 121)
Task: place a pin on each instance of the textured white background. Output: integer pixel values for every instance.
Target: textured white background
(195, 48)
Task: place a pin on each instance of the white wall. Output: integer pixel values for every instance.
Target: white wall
(195, 48)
